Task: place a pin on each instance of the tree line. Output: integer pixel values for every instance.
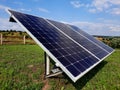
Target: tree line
(112, 41)
(14, 33)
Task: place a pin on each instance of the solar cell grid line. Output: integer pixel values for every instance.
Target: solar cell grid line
(109, 49)
(92, 39)
(80, 39)
(61, 30)
(35, 28)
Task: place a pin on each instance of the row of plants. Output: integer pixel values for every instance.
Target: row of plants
(113, 41)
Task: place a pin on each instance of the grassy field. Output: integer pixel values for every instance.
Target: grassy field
(22, 68)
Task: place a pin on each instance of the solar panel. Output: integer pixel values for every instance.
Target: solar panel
(92, 39)
(75, 57)
(88, 44)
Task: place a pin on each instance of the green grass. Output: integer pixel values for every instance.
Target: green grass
(22, 68)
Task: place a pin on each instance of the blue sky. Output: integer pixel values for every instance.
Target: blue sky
(96, 17)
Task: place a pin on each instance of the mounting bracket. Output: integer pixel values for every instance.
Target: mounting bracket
(50, 73)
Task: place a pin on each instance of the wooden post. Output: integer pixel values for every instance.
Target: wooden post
(24, 39)
(1, 38)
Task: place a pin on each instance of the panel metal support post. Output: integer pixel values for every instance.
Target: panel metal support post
(47, 64)
(48, 73)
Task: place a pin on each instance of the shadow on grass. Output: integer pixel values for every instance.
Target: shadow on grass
(83, 80)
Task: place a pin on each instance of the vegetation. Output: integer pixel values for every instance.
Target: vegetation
(16, 37)
(112, 41)
(22, 68)
(14, 33)
(12, 36)
(115, 43)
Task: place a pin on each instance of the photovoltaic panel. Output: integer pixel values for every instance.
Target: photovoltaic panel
(73, 58)
(94, 48)
(91, 38)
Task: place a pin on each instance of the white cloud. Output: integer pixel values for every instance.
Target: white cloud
(6, 25)
(76, 4)
(115, 2)
(110, 21)
(18, 3)
(92, 10)
(64, 22)
(105, 5)
(99, 28)
(43, 10)
(100, 5)
(115, 28)
(4, 7)
(115, 11)
(26, 10)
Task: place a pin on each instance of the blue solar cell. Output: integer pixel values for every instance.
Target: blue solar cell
(86, 65)
(80, 67)
(89, 61)
(73, 70)
(63, 52)
(93, 48)
(72, 57)
(64, 61)
(109, 49)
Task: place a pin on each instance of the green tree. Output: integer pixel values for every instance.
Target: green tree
(115, 43)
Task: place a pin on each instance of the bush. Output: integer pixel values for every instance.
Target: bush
(115, 43)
